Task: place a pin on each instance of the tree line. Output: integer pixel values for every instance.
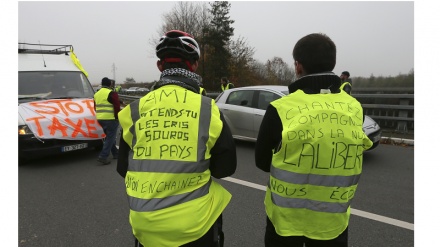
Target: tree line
(401, 80)
(211, 26)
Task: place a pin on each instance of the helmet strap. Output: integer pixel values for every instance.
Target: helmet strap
(172, 60)
(189, 66)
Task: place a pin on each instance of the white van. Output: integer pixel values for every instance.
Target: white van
(55, 103)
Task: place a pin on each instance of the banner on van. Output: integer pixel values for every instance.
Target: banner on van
(71, 119)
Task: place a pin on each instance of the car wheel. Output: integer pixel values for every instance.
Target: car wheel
(375, 144)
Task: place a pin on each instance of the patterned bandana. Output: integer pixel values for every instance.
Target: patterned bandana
(192, 84)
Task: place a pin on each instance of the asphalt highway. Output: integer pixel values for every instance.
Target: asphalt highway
(72, 201)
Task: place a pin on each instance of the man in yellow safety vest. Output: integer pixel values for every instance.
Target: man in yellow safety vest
(225, 84)
(311, 141)
(107, 107)
(346, 82)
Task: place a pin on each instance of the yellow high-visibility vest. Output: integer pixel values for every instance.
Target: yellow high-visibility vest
(314, 175)
(104, 109)
(343, 85)
(172, 198)
(225, 87)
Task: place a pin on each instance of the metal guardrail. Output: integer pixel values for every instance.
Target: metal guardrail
(399, 117)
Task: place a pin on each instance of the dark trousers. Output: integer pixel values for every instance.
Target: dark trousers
(272, 239)
(110, 128)
(213, 238)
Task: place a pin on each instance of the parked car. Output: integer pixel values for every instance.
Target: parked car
(132, 90)
(372, 130)
(143, 89)
(244, 108)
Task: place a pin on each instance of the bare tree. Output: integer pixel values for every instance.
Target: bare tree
(241, 61)
(241, 52)
(278, 72)
(129, 80)
(260, 69)
(190, 17)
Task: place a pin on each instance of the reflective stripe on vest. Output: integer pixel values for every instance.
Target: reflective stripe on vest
(330, 207)
(147, 205)
(200, 166)
(314, 175)
(168, 166)
(104, 109)
(314, 179)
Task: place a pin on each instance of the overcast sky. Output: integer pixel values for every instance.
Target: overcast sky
(371, 37)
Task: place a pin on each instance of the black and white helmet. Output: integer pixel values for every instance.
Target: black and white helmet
(179, 44)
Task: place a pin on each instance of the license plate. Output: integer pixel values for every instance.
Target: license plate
(74, 147)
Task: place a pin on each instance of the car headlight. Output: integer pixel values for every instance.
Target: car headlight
(376, 138)
(374, 126)
(24, 130)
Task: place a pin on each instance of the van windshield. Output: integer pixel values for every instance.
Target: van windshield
(53, 84)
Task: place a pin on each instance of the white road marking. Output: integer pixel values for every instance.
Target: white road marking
(359, 213)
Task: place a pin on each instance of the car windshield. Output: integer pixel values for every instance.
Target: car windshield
(54, 84)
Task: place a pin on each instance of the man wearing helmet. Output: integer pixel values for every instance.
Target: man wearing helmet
(173, 141)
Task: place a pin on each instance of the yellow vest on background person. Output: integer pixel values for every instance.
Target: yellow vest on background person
(342, 88)
(172, 198)
(345, 83)
(104, 109)
(226, 87)
(314, 175)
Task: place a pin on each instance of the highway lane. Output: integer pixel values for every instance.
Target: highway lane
(70, 200)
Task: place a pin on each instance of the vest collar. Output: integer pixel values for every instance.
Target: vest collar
(313, 83)
(180, 77)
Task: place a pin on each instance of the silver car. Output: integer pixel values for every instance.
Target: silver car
(244, 109)
(132, 90)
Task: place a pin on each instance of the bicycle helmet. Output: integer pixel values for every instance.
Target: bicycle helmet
(178, 44)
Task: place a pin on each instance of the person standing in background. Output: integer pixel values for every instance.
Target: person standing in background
(346, 83)
(118, 88)
(225, 84)
(107, 107)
